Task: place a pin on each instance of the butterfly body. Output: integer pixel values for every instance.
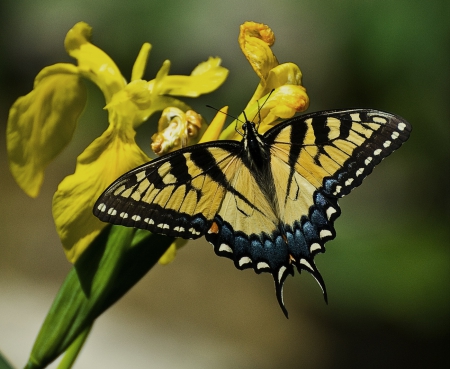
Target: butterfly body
(267, 202)
(255, 151)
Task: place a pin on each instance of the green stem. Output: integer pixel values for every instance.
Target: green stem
(74, 349)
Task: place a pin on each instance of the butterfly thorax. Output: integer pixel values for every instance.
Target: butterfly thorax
(257, 157)
(257, 154)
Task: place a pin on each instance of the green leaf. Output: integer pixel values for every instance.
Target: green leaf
(117, 259)
(74, 349)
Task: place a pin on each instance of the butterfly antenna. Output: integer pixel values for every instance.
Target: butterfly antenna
(228, 115)
(260, 108)
(231, 116)
(245, 116)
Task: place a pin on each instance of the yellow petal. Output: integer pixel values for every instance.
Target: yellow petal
(205, 78)
(93, 62)
(109, 156)
(255, 40)
(281, 104)
(141, 62)
(133, 103)
(136, 93)
(42, 123)
(159, 103)
(171, 252)
(214, 129)
(282, 74)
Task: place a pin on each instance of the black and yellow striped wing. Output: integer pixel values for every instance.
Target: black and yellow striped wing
(268, 202)
(177, 195)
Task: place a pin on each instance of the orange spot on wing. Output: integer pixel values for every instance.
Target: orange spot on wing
(214, 228)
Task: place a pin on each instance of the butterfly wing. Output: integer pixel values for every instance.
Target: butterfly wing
(335, 150)
(271, 222)
(247, 230)
(314, 159)
(317, 158)
(196, 191)
(177, 195)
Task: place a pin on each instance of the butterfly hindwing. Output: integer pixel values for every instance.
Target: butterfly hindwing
(241, 226)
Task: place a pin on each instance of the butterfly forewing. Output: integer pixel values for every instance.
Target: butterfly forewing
(339, 148)
(177, 195)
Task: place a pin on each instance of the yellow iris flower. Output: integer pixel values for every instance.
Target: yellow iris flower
(278, 96)
(41, 124)
(282, 81)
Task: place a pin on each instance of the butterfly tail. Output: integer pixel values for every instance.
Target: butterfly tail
(312, 269)
(279, 278)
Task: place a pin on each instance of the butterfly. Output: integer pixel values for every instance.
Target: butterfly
(268, 202)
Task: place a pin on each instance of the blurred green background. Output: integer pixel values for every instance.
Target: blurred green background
(387, 272)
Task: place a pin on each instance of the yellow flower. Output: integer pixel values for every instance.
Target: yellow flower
(278, 96)
(282, 81)
(42, 123)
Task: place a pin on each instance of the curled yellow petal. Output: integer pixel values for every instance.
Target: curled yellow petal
(93, 62)
(283, 74)
(109, 156)
(41, 124)
(177, 129)
(172, 131)
(255, 40)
